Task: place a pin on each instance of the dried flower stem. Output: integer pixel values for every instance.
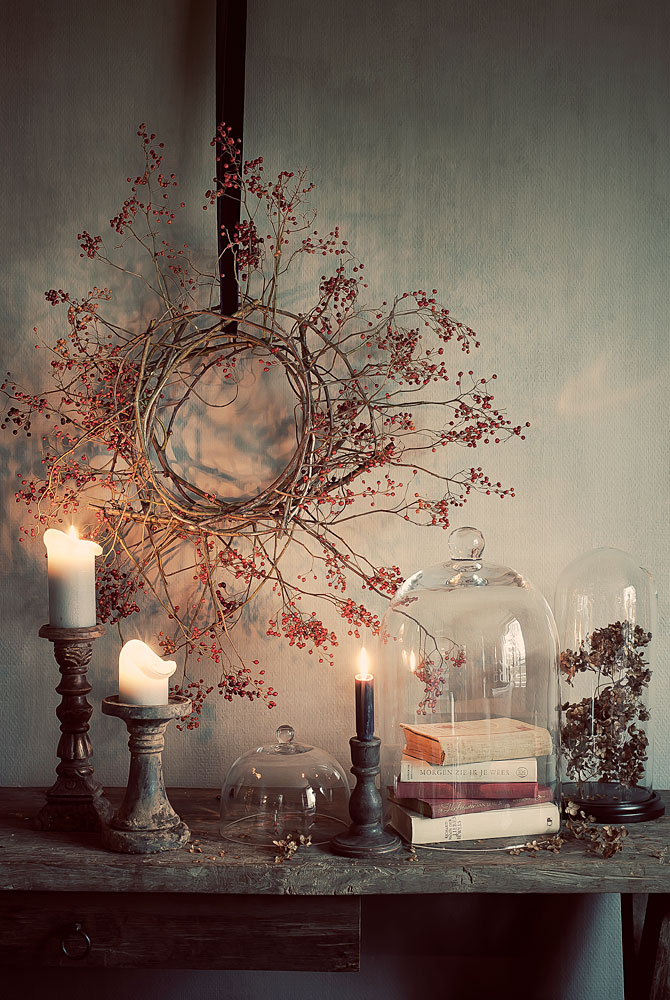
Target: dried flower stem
(605, 840)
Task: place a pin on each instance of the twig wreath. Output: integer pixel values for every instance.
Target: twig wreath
(361, 379)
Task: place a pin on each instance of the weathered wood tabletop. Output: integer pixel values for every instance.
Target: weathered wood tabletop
(65, 900)
(31, 860)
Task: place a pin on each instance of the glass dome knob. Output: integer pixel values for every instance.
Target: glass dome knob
(466, 543)
(285, 734)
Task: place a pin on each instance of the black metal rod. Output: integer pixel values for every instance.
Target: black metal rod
(231, 39)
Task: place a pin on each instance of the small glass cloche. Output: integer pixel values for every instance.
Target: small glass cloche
(285, 789)
(606, 617)
(468, 705)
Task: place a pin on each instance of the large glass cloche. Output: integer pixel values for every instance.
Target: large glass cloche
(286, 789)
(468, 705)
(606, 616)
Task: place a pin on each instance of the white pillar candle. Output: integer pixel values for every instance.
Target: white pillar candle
(143, 676)
(71, 571)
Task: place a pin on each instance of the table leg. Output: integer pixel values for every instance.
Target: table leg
(629, 944)
(652, 971)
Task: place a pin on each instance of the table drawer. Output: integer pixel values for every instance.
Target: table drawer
(180, 931)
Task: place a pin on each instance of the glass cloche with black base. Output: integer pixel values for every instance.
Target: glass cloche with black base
(468, 705)
(605, 608)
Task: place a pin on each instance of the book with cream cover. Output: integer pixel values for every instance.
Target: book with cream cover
(476, 740)
(524, 821)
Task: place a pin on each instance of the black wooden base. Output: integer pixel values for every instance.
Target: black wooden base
(609, 811)
(365, 843)
(75, 813)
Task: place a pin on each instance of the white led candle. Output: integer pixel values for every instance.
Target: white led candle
(143, 676)
(71, 571)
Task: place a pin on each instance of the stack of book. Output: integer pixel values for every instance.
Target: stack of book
(472, 781)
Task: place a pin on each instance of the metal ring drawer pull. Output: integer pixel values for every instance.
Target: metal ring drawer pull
(76, 930)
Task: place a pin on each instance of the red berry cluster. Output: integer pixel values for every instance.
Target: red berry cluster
(433, 677)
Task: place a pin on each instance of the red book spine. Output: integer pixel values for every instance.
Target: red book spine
(437, 808)
(465, 790)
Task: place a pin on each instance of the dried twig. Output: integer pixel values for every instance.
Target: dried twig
(289, 845)
(604, 840)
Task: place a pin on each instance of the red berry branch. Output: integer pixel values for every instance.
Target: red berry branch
(374, 403)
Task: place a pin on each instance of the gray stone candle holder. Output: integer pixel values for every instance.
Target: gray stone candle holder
(146, 822)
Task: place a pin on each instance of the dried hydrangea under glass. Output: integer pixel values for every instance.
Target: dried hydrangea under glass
(605, 611)
(601, 735)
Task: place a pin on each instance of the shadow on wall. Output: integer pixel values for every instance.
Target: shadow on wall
(233, 438)
(604, 387)
(444, 947)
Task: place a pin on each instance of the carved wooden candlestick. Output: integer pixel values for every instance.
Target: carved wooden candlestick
(75, 801)
(366, 837)
(146, 822)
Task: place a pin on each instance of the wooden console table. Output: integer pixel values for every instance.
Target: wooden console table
(60, 891)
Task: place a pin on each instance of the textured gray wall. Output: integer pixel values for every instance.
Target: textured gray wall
(511, 154)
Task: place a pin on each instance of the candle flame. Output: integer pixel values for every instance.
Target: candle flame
(72, 532)
(412, 661)
(363, 665)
